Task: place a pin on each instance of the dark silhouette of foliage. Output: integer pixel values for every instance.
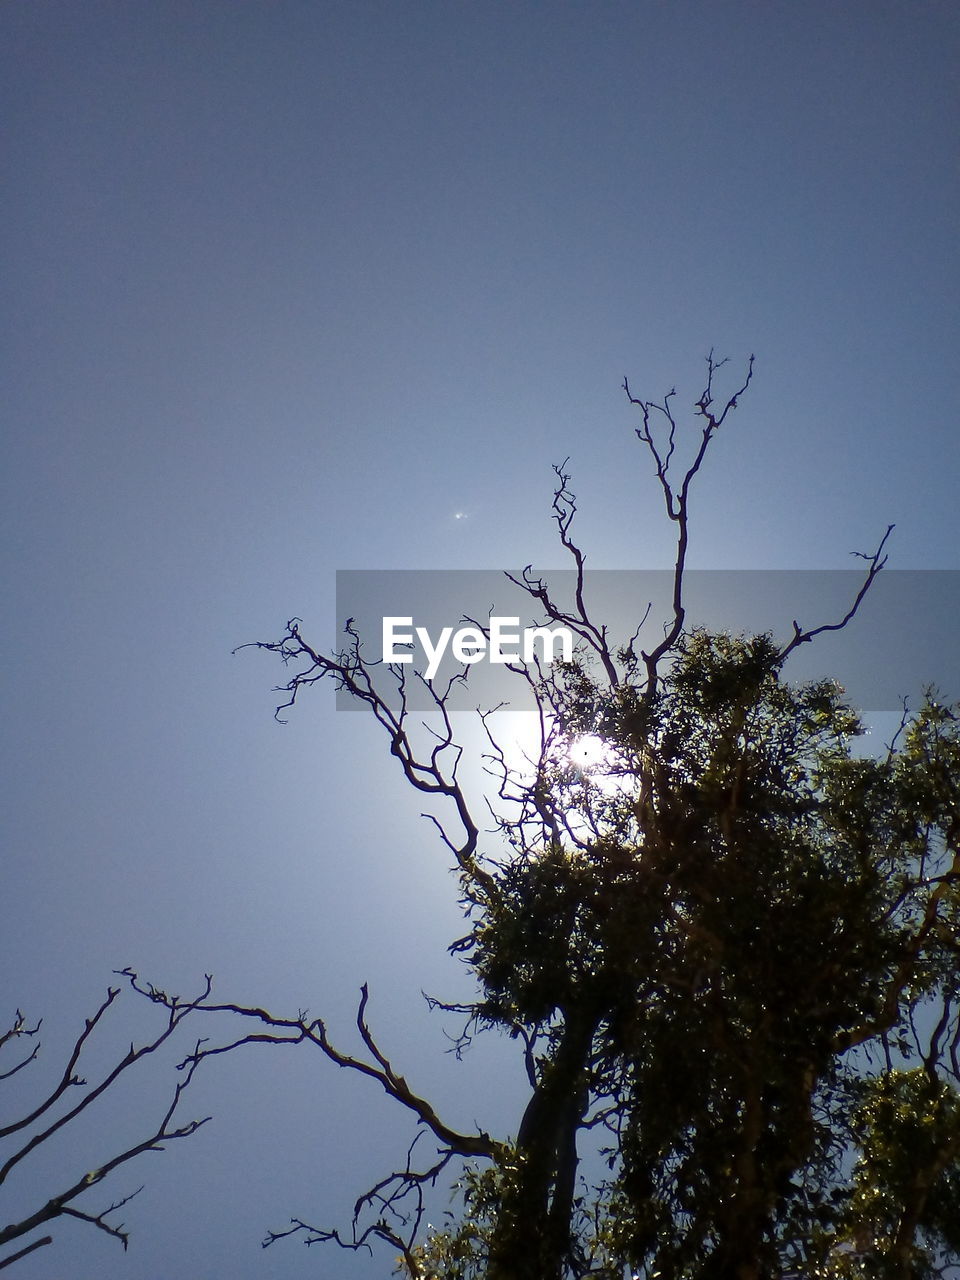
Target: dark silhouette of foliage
(728, 951)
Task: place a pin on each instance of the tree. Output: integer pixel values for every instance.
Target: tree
(728, 952)
(72, 1095)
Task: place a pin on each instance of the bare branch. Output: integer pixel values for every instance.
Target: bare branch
(165, 1131)
(11, 1258)
(399, 1203)
(876, 561)
(297, 1031)
(18, 1028)
(68, 1078)
(676, 498)
(578, 621)
(434, 774)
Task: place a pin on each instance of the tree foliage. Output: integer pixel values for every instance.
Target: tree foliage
(727, 949)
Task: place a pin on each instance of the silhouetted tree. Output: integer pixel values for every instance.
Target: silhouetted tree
(728, 951)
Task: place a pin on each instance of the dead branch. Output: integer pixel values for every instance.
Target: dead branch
(18, 1028)
(299, 1031)
(432, 773)
(676, 497)
(62, 1204)
(11, 1258)
(578, 621)
(398, 1197)
(399, 1201)
(875, 562)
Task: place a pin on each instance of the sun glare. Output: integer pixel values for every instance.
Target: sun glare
(588, 752)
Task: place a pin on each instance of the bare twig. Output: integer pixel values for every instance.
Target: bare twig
(875, 562)
(435, 773)
(676, 497)
(62, 1204)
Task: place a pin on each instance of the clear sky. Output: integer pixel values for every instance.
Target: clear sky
(287, 286)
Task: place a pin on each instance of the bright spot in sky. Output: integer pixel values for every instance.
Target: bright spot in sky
(588, 752)
(460, 515)
(599, 765)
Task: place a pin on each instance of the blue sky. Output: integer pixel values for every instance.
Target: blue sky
(286, 287)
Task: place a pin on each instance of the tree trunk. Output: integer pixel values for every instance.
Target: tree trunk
(533, 1236)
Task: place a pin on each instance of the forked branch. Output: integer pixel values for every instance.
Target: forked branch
(432, 771)
(73, 1085)
(397, 1199)
(875, 562)
(657, 418)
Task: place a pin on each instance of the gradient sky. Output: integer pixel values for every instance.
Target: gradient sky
(286, 287)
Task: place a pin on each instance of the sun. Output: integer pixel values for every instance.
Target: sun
(598, 765)
(588, 752)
